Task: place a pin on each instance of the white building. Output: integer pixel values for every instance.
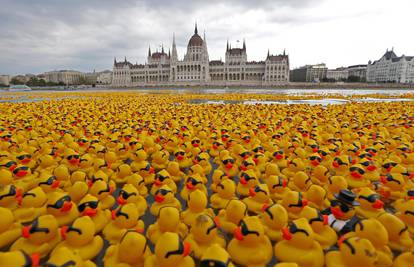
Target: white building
(104, 77)
(339, 74)
(390, 68)
(4, 80)
(358, 72)
(196, 68)
(67, 77)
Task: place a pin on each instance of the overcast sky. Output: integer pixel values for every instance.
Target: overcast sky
(42, 35)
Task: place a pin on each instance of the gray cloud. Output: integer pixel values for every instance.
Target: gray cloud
(38, 36)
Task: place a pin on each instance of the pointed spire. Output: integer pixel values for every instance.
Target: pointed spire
(284, 52)
(195, 29)
(114, 60)
(244, 44)
(173, 38)
(268, 53)
(227, 49)
(169, 53)
(125, 59)
(162, 48)
(149, 50)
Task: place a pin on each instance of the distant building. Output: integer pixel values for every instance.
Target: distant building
(391, 68)
(67, 77)
(104, 77)
(338, 74)
(195, 68)
(21, 79)
(309, 73)
(4, 80)
(91, 77)
(358, 71)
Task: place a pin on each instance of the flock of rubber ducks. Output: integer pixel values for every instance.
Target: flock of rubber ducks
(146, 181)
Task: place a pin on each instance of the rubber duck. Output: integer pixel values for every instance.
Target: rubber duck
(62, 174)
(404, 259)
(277, 186)
(274, 218)
(319, 175)
(139, 183)
(129, 194)
(80, 236)
(40, 237)
(215, 255)
(258, 196)
(168, 220)
(9, 195)
(393, 186)
(231, 216)
(6, 177)
(300, 182)
(226, 191)
(340, 166)
(48, 183)
(132, 250)
(60, 205)
(89, 206)
(160, 159)
(196, 169)
(71, 160)
(356, 177)
(32, 204)
(250, 246)
(371, 170)
(203, 234)
(405, 211)
(25, 158)
(271, 169)
(122, 173)
(370, 203)
(399, 237)
(228, 166)
(376, 233)
(216, 178)
(197, 205)
(170, 251)
(182, 158)
(103, 192)
(163, 178)
(124, 218)
(317, 197)
(9, 229)
(299, 245)
(293, 202)
(279, 158)
(19, 258)
(353, 251)
(323, 233)
(295, 165)
(173, 168)
(247, 180)
(67, 257)
(193, 183)
(164, 197)
(335, 185)
(24, 178)
(86, 163)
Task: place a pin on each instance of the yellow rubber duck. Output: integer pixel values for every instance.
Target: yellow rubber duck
(32, 204)
(317, 197)
(279, 158)
(300, 182)
(226, 191)
(192, 183)
(25, 158)
(19, 258)
(203, 234)
(335, 185)
(203, 160)
(293, 202)
(40, 237)
(139, 183)
(121, 174)
(376, 233)
(231, 216)
(129, 194)
(103, 192)
(71, 160)
(89, 206)
(9, 229)
(277, 186)
(319, 175)
(132, 250)
(247, 180)
(250, 246)
(271, 169)
(197, 205)
(404, 259)
(405, 211)
(393, 186)
(228, 166)
(24, 178)
(274, 218)
(399, 237)
(62, 208)
(299, 245)
(258, 197)
(370, 203)
(371, 170)
(163, 178)
(353, 251)
(66, 257)
(62, 174)
(170, 251)
(80, 236)
(323, 233)
(6, 177)
(164, 197)
(168, 220)
(173, 168)
(160, 159)
(340, 166)
(124, 218)
(216, 178)
(9, 196)
(182, 158)
(48, 183)
(215, 255)
(295, 165)
(356, 177)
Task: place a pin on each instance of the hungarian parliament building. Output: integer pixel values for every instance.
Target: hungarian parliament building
(196, 69)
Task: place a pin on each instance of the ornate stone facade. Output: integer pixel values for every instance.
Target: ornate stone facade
(196, 69)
